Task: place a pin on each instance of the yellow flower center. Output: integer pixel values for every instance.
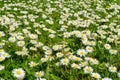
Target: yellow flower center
(65, 61)
(1, 58)
(76, 66)
(113, 69)
(18, 72)
(88, 69)
(39, 74)
(82, 53)
(95, 76)
(34, 64)
(1, 50)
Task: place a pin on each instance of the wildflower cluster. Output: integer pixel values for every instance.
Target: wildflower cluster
(59, 40)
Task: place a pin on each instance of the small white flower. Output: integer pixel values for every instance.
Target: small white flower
(18, 52)
(1, 51)
(2, 67)
(118, 74)
(83, 64)
(44, 16)
(45, 48)
(39, 74)
(76, 66)
(19, 73)
(89, 49)
(33, 64)
(12, 39)
(107, 46)
(20, 43)
(33, 36)
(59, 54)
(51, 36)
(6, 55)
(33, 41)
(106, 78)
(20, 37)
(66, 35)
(33, 48)
(112, 51)
(57, 47)
(50, 21)
(44, 59)
(96, 75)
(92, 43)
(88, 69)
(85, 42)
(48, 52)
(112, 69)
(39, 44)
(94, 61)
(64, 61)
(81, 52)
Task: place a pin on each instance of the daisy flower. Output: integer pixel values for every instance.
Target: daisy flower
(107, 46)
(89, 49)
(66, 34)
(12, 39)
(19, 73)
(96, 75)
(88, 69)
(64, 61)
(76, 66)
(81, 52)
(112, 51)
(20, 43)
(33, 36)
(112, 69)
(33, 64)
(39, 74)
(59, 54)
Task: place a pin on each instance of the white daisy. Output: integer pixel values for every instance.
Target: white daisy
(112, 51)
(21, 43)
(19, 73)
(89, 49)
(64, 61)
(39, 74)
(33, 64)
(107, 46)
(81, 52)
(112, 69)
(96, 75)
(88, 69)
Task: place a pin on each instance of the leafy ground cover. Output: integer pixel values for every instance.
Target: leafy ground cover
(59, 40)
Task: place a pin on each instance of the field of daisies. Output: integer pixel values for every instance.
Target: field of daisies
(59, 39)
